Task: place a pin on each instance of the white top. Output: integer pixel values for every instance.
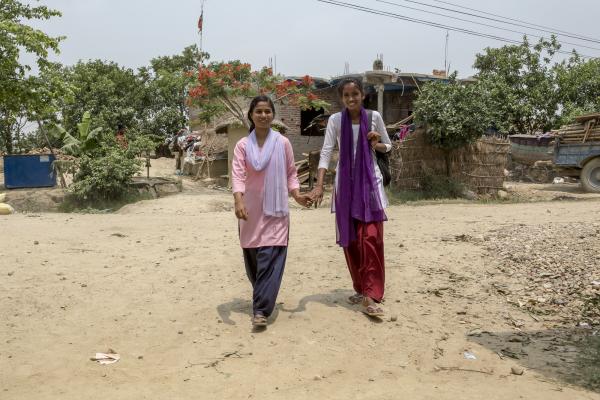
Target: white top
(332, 136)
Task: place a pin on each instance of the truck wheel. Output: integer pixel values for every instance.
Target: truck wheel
(590, 175)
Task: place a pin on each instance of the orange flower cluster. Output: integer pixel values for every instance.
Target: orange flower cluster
(198, 91)
(236, 79)
(205, 74)
(285, 86)
(307, 81)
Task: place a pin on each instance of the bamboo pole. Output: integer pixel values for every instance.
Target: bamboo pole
(63, 183)
(206, 159)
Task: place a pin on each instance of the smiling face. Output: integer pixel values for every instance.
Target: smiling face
(352, 97)
(262, 115)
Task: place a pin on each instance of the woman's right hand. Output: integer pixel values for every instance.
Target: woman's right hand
(317, 195)
(240, 210)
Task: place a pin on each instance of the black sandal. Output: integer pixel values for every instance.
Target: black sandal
(259, 320)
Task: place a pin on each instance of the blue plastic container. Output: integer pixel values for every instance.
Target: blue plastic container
(29, 171)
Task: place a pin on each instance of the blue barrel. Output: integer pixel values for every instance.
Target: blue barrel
(29, 171)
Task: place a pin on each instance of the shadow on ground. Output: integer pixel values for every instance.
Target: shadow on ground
(241, 306)
(335, 298)
(571, 355)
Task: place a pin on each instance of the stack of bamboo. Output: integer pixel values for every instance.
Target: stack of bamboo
(585, 129)
(307, 168)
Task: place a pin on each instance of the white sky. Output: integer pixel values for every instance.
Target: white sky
(306, 36)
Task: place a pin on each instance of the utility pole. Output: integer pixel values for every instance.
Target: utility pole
(446, 65)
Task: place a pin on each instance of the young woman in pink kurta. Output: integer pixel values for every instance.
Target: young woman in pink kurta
(263, 174)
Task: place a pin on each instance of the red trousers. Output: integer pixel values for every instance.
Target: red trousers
(365, 260)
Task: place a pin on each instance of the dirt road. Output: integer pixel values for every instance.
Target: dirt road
(162, 283)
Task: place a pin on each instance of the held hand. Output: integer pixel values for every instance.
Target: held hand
(373, 138)
(317, 195)
(240, 210)
(304, 200)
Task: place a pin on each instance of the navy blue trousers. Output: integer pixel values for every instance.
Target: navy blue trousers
(264, 267)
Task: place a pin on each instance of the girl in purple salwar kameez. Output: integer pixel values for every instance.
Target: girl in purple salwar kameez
(358, 198)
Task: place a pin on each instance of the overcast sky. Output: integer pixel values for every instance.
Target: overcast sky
(305, 36)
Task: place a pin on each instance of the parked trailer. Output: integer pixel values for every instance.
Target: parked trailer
(580, 160)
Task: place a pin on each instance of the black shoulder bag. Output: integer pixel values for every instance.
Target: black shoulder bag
(383, 160)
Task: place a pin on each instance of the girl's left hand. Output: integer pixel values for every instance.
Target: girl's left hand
(373, 138)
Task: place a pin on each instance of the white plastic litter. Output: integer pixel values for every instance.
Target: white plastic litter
(469, 356)
(109, 357)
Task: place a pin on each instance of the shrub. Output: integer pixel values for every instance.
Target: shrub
(105, 177)
(455, 113)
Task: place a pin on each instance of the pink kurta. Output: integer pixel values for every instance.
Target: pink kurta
(260, 230)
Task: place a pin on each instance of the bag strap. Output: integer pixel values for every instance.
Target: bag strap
(370, 118)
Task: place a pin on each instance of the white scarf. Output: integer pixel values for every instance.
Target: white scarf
(272, 157)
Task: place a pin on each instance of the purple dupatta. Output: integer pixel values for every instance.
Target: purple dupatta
(357, 195)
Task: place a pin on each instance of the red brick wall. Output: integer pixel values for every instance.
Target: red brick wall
(330, 95)
(289, 115)
(305, 144)
(397, 107)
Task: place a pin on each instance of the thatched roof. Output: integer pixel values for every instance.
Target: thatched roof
(214, 143)
(399, 124)
(223, 126)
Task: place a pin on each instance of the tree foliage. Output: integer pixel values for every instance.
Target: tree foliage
(518, 89)
(168, 80)
(113, 95)
(455, 113)
(226, 87)
(522, 84)
(151, 101)
(84, 142)
(20, 92)
(578, 86)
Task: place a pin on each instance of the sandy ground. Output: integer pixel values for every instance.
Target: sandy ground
(162, 283)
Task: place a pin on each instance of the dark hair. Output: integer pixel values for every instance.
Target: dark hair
(346, 81)
(253, 104)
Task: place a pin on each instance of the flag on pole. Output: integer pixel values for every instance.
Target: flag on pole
(200, 21)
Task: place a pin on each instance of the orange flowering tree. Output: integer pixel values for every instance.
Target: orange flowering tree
(227, 87)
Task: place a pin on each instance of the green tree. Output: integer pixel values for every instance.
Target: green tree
(522, 84)
(578, 83)
(150, 101)
(112, 94)
(168, 80)
(454, 113)
(21, 92)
